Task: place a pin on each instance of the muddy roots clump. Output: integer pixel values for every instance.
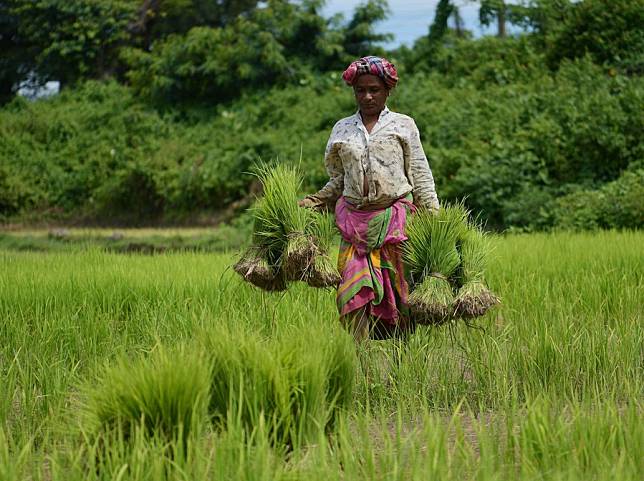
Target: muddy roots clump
(431, 301)
(300, 252)
(254, 268)
(474, 300)
(322, 272)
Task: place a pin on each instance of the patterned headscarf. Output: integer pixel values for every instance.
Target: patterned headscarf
(373, 65)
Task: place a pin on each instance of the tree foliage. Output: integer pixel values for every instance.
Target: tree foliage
(610, 31)
(277, 44)
(359, 34)
(534, 131)
(69, 41)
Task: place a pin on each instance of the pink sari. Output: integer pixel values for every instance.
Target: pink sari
(370, 260)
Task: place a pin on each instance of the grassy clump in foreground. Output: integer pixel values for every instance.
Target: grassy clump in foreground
(164, 395)
(280, 383)
(551, 388)
(241, 379)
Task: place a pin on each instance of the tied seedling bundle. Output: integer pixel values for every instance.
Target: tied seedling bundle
(289, 243)
(446, 255)
(473, 298)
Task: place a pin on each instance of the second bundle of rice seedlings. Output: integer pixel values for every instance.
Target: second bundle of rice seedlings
(287, 221)
(474, 298)
(281, 248)
(432, 257)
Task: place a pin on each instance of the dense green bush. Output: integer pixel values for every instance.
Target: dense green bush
(499, 129)
(513, 149)
(617, 205)
(610, 31)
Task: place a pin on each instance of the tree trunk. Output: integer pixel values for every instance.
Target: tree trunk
(458, 22)
(500, 18)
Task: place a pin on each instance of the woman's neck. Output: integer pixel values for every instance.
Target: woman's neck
(370, 121)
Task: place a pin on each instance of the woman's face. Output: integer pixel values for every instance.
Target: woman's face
(371, 94)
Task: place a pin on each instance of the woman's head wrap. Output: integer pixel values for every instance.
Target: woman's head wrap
(372, 65)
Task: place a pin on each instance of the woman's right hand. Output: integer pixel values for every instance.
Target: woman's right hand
(307, 203)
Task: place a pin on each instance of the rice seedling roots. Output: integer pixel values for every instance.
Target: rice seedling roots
(470, 304)
(254, 270)
(300, 254)
(431, 302)
(429, 314)
(323, 278)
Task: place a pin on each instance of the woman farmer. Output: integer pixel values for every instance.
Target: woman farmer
(378, 175)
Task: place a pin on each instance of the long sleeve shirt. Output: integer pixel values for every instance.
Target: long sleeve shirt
(373, 170)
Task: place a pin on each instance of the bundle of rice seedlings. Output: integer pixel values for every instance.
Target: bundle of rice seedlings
(322, 271)
(283, 223)
(289, 243)
(431, 255)
(474, 298)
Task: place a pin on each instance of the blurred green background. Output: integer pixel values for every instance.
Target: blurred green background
(165, 106)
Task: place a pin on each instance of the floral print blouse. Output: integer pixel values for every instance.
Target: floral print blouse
(372, 170)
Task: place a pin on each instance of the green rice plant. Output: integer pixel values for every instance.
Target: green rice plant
(281, 384)
(473, 298)
(432, 258)
(322, 271)
(164, 395)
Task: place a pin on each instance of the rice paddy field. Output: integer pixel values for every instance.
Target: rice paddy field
(167, 366)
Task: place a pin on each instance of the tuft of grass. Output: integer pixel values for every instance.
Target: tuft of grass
(163, 395)
(282, 384)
